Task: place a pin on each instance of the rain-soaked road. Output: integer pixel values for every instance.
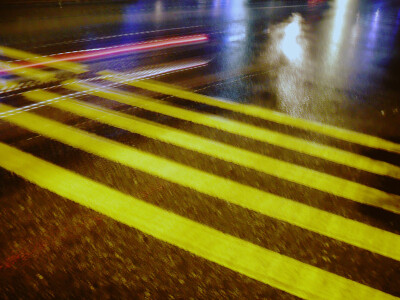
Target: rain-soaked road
(222, 149)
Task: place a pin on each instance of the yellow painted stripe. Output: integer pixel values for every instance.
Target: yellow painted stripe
(30, 73)
(319, 221)
(263, 113)
(54, 63)
(275, 138)
(266, 266)
(5, 84)
(314, 179)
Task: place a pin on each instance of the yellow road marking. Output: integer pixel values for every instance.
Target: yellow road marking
(266, 266)
(39, 75)
(275, 138)
(263, 113)
(314, 179)
(54, 63)
(319, 221)
(5, 84)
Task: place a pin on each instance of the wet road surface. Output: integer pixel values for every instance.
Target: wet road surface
(200, 150)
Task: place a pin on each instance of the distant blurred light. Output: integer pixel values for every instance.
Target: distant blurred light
(314, 2)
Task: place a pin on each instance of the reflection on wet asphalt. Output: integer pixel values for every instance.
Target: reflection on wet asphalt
(221, 149)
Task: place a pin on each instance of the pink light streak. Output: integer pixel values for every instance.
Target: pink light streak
(116, 50)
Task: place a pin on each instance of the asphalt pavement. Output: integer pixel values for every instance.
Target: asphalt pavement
(223, 149)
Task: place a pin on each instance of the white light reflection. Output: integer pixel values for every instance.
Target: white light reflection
(236, 30)
(290, 44)
(216, 3)
(154, 71)
(339, 20)
(369, 53)
(374, 28)
(237, 9)
(158, 10)
(353, 42)
(216, 8)
(235, 37)
(339, 31)
(355, 32)
(287, 57)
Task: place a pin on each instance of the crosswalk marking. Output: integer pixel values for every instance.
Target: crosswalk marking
(266, 266)
(260, 112)
(16, 69)
(275, 138)
(319, 221)
(40, 60)
(318, 180)
(269, 267)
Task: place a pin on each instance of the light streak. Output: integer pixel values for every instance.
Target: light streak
(116, 50)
